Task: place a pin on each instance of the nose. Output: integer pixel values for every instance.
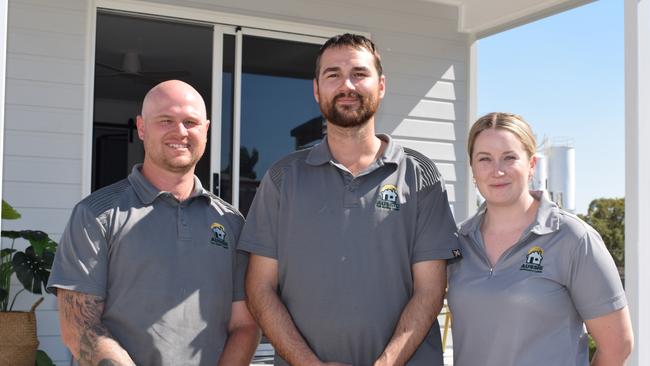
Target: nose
(498, 170)
(347, 84)
(180, 128)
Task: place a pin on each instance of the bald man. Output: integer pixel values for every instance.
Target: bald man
(147, 272)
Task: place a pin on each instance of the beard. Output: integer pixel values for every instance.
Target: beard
(350, 116)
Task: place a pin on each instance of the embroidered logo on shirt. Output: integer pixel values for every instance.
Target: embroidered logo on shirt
(388, 198)
(218, 235)
(533, 260)
(456, 253)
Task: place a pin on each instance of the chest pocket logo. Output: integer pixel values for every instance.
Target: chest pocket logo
(533, 260)
(218, 235)
(388, 198)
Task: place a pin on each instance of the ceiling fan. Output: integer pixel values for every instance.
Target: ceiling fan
(132, 68)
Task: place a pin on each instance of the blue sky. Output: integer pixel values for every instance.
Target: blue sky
(565, 75)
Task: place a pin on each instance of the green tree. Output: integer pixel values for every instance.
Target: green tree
(607, 216)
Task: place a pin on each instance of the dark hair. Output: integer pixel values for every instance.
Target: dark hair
(350, 40)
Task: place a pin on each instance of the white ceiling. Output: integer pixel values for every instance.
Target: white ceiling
(486, 17)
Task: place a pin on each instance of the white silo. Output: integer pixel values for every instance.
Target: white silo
(540, 175)
(561, 174)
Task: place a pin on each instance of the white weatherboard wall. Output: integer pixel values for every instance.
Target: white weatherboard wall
(43, 128)
(424, 56)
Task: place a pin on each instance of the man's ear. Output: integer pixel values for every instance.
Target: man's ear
(139, 123)
(316, 90)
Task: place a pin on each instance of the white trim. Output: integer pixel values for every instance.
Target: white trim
(3, 77)
(472, 100)
(216, 107)
(89, 83)
(637, 174)
(214, 17)
(525, 16)
(236, 119)
(284, 36)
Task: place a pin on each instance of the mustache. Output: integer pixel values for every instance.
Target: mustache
(348, 95)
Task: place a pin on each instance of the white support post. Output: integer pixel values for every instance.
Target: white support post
(637, 194)
(3, 78)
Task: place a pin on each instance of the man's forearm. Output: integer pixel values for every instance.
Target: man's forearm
(413, 326)
(274, 319)
(84, 334)
(240, 347)
(429, 279)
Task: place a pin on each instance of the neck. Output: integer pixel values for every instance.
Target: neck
(179, 184)
(513, 216)
(356, 148)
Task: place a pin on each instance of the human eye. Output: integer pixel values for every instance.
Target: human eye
(190, 123)
(511, 157)
(483, 158)
(360, 74)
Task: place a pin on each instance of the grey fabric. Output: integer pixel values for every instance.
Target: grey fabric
(528, 310)
(345, 248)
(168, 279)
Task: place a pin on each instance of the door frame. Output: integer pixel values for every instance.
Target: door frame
(222, 23)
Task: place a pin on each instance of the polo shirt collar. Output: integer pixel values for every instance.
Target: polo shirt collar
(147, 192)
(546, 221)
(548, 215)
(320, 153)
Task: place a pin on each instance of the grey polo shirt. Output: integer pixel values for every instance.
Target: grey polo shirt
(528, 310)
(167, 270)
(345, 246)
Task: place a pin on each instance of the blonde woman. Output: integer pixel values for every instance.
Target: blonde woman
(532, 275)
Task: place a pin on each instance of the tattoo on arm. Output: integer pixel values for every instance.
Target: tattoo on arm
(106, 362)
(84, 312)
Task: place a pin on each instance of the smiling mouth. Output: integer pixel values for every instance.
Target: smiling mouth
(179, 146)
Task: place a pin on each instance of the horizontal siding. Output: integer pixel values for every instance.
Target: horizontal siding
(428, 87)
(48, 69)
(44, 93)
(434, 150)
(44, 16)
(50, 220)
(419, 108)
(43, 144)
(437, 130)
(40, 118)
(448, 171)
(43, 43)
(40, 169)
(423, 66)
(42, 195)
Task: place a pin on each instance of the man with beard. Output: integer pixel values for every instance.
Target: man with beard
(147, 272)
(349, 239)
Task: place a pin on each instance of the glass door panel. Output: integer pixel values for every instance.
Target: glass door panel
(277, 106)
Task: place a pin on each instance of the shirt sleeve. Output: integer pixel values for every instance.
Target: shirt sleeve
(81, 259)
(259, 235)
(436, 235)
(239, 275)
(594, 283)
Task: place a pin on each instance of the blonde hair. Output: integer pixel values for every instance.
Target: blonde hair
(506, 121)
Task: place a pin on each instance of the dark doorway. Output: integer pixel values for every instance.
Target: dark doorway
(132, 54)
